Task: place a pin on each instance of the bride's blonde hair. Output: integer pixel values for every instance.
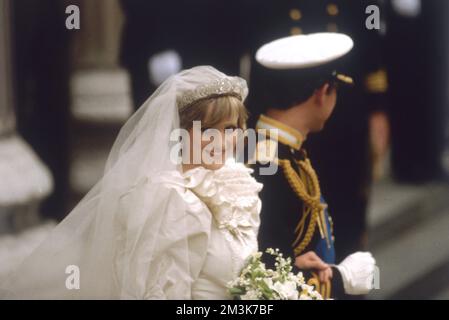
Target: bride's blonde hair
(213, 110)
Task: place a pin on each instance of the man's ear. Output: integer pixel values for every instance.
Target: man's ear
(321, 93)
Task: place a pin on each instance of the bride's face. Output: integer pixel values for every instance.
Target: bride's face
(214, 126)
(214, 144)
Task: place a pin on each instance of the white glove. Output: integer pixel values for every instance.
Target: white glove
(357, 271)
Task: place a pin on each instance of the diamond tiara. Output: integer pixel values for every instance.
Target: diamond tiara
(225, 86)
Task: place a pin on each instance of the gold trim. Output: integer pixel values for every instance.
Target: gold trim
(312, 204)
(377, 82)
(332, 9)
(295, 14)
(315, 282)
(345, 79)
(328, 291)
(323, 288)
(295, 31)
(283, 127)
(266, 150)
(295, 146)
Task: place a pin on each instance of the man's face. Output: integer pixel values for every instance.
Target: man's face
(326, 99)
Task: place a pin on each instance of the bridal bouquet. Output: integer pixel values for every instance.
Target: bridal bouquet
(256, 282)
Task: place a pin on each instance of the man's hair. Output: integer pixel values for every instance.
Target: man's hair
(283, 89)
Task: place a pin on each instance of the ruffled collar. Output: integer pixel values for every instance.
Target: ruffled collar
(230, 193)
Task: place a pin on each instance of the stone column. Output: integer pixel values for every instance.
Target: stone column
(97, 44)
(99, 90)
(7, 119)
(24, 179)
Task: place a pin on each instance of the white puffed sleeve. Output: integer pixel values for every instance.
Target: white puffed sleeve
(162, 242)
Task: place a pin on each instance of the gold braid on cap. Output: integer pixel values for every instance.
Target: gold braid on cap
(312, 203)
(226, 86)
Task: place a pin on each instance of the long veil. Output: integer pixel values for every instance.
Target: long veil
(103, 227)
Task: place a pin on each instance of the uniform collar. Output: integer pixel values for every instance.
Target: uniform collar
(286, 134)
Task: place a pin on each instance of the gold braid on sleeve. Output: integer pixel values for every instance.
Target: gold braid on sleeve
(312, 203)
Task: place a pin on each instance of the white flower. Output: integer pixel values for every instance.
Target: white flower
(310, 293)
(257, 255)
(286, 290)
(307, 288)
(281, 283)
(251, 295)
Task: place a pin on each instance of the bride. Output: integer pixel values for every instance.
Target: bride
(152, 227)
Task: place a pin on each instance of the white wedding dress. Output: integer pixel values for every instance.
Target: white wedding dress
(222, 220)
(146, 230)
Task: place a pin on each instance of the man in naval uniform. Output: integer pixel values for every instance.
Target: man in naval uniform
(345, 144)
(296, 95)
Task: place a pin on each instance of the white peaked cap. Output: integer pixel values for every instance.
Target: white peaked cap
(304, 51)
